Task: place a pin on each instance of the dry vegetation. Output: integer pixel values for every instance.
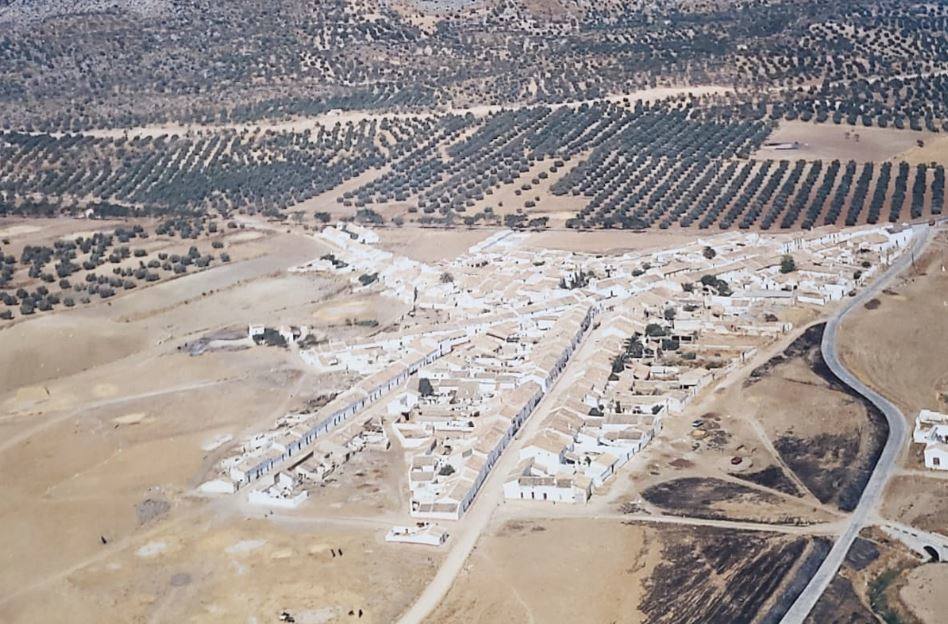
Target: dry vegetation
(825, 433)
(513, 570)
(910, 318)
(624, 572)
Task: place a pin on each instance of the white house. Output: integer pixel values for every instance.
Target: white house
(936, 454)
(925, 421)
(931, 429)
(403, 403)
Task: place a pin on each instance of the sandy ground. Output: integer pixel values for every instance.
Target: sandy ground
(208, 569)
(829, 141)
(935, 150)
(571, 570)
(924, 593)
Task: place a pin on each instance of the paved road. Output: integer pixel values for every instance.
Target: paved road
(805, 602)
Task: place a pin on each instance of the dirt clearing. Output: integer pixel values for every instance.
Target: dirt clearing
(515, 573)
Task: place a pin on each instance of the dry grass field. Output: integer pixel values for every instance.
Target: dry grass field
(918, 501)
(431, 244)
(912, 317)
(935, 150)
(823, 433)
(829, 141)
(585, 570)
(518, 573)
(203, 568)
(606, 241)
(924, 593)
(103, 423)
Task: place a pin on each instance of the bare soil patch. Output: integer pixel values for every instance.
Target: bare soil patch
(899, 349)
(207, 569)
(924, 593)
(610, 242)
(829, 141)
(918, 501)
(600, 566)
(431, 244)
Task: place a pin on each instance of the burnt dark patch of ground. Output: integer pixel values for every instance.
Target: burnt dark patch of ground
(772, 477)
(840, 604)
(862, 553)
(815, 554)
(829, 466)
(719, 575)
(697, 497)
(834, 467)
(798, 348)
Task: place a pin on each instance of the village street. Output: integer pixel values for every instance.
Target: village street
(491, 495)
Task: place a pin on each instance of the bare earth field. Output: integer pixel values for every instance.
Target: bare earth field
(430, 244)
(514, 569)
(935, 150)
(208, 569)
(924, 593)
(918, 501)
(605, 241)
(824, 434)
(829, 141)
(622, 572)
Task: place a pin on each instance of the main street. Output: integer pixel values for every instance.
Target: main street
(479, 515)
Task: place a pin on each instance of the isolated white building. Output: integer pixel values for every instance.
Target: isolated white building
(931, 429)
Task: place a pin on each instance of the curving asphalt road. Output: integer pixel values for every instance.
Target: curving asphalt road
(805, 602)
